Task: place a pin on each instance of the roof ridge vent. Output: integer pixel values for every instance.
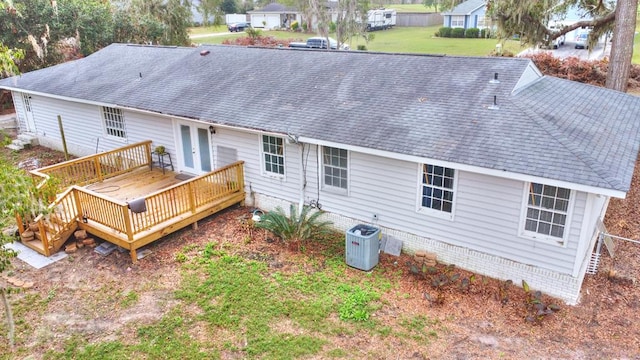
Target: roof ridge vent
(494, 106)
(495, 79)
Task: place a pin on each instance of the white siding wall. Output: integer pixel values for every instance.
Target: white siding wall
(248, 146)
(486, 216)
(84, 128)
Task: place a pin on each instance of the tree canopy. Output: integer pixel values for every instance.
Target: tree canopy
(47, 31)
(530, 19)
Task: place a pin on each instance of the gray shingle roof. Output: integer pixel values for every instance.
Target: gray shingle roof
(466, 8)
(429, 106)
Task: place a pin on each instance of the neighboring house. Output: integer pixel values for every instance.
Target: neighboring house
(507, 178)
(469, 14)
(274, 16)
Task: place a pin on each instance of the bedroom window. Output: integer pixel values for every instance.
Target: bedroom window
(457, 21)
(273, 154)
(547, 210)
(437, 188)
(334, 165)
(114, 122)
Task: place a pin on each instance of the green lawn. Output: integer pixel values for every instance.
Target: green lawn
(403, 40)
(207, 29)
(243, 308)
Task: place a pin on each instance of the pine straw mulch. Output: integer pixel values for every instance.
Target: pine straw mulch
(82, 297)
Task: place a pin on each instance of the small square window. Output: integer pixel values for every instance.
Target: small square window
(547, 208)
(114, 122)
(334, 164)
(437, 188)
(273, 154)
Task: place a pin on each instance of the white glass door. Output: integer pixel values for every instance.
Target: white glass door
(195, 146)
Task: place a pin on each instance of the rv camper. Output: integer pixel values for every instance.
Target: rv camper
(381, 19)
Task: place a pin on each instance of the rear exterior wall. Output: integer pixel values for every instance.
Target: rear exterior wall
(483, 234)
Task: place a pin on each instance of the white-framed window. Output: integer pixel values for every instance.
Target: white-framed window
(457, 21)
(437, 188)
(273, 155)
(114, 122)
(547, 212)
(335, 170)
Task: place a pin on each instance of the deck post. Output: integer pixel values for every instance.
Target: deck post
(20, 223)
(147, 147)
(134, 255)
(127, 223)
(44, 239)
(240, 175)
(80, 213)
(192, 198)
(96, 162)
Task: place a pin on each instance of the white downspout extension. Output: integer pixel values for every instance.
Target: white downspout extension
(302, 179)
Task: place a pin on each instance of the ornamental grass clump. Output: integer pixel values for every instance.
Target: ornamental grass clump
(296, 228)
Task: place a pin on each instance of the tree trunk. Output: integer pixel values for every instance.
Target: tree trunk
(10, 323)
(622, 45)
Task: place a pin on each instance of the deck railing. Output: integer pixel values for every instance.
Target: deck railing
(101, 209)
(182, 199)
(62, 215)
(187, 197)
(94, 168)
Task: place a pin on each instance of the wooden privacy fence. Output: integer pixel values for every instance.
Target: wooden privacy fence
(94, 168)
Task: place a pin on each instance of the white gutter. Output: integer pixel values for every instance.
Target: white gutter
(470, 168)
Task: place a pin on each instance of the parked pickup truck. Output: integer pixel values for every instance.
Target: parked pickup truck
(318, 42)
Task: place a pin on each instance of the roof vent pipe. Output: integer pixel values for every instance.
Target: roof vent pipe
(494, 106)
(495, 79)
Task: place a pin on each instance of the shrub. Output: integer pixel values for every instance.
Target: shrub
(457, 33)
(295, 26)
(485, 33)
(332, 27)
(472, 33)
(362, 47)
(295, 228)
(537, 308)
(444, 32)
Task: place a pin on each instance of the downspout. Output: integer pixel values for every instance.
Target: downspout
(303, 180)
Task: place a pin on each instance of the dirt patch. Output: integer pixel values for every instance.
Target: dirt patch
(90, 296)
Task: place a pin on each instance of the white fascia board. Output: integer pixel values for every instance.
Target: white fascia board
(155, 113)
(65, 98)
(470, 168)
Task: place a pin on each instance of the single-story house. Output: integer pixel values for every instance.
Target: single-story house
(469, 14)
(275, 16)
(482, 160)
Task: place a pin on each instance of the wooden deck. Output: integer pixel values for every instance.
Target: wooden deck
(135, 184)
(118, 197)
